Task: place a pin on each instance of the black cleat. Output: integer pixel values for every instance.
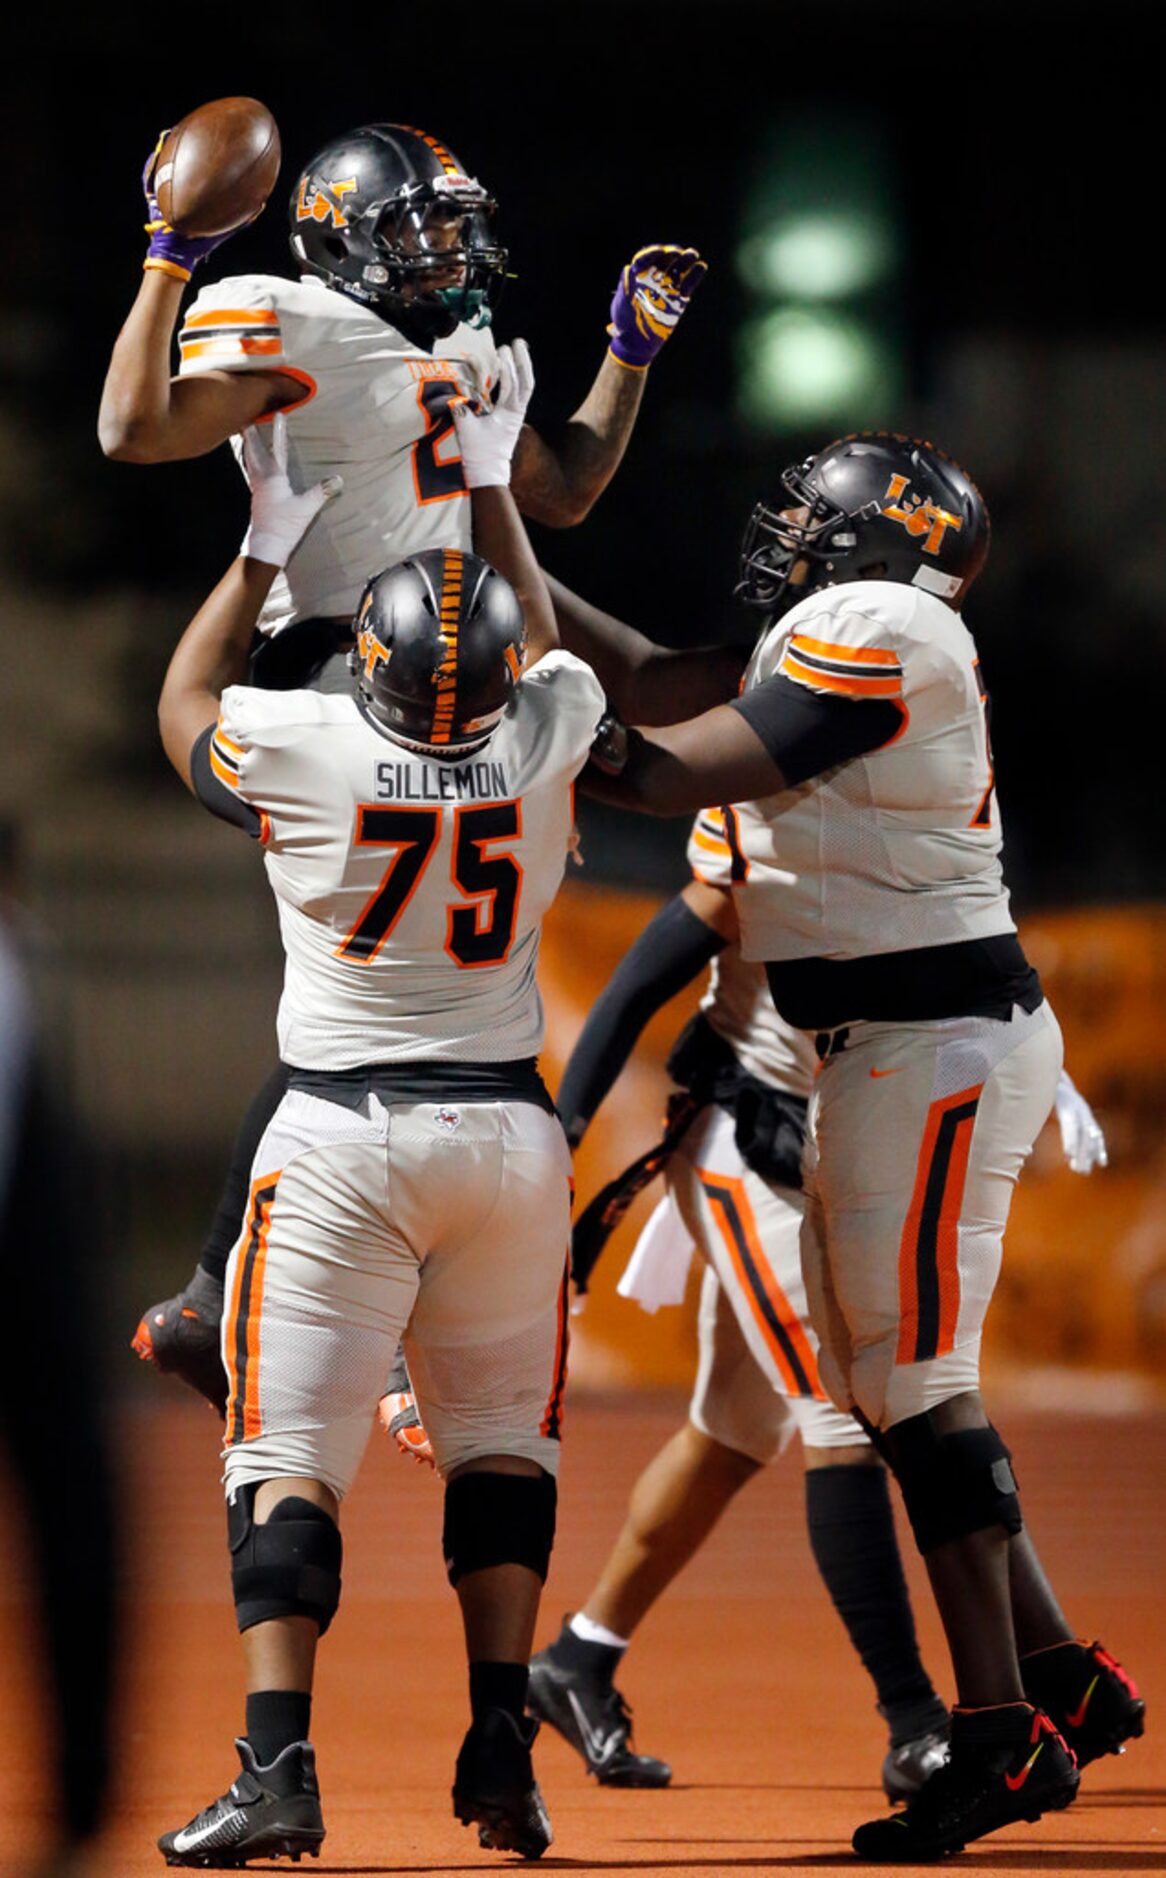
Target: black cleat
(180, 1337)
(268, 1812)
(1007, 1764)
(1092, 1700)
(591, 1714)
(494, 1787)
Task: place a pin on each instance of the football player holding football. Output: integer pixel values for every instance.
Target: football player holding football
(367, 352)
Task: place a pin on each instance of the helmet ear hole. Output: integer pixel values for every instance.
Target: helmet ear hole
(333, 247)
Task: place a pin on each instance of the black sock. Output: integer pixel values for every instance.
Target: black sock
(852, 1536)
(597, 1661)
(498, 1685)
(276, 1718)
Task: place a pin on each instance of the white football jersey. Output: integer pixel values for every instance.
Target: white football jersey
(375, 409)
(410, 890)
(896, 849)
(737, 1002)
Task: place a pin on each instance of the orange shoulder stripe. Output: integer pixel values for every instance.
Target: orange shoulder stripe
(857, 687)
(242, 316)
(225, 343)
(860, 655)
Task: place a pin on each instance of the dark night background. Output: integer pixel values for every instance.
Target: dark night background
(1026, 317)
(1020, 151)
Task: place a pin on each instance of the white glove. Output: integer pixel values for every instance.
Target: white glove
(1081, 1137)
(279, 517)
(486, 437)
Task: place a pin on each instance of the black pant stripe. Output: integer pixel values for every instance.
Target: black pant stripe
(261, 1198)
(927, 1244)
(724, 1195)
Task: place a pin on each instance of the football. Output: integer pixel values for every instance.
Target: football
(217, 167)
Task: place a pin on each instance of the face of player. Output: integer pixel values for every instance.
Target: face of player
(799, 572)
(426, 236)
(801, 567)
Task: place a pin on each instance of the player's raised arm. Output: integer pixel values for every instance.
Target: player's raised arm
(486, 439)
(147, 416)
(776, 736)
(646, 683)
(212, 652)
(558, 478)
(717, 757)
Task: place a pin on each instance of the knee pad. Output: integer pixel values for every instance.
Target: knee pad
(499, 1519)
(288, 1567)
(953, 1484)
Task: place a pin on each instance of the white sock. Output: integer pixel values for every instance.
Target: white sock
(589, 1632)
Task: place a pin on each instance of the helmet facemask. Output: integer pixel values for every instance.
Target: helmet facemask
(775, 541)
(435, 254)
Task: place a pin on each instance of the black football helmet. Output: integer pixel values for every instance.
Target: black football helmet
(388, 216)
(440, 640)
(872, 501)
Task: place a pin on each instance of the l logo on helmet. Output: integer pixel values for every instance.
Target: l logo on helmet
(312, 205)
(917, 516)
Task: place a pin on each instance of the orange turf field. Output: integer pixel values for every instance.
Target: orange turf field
(742, 1676)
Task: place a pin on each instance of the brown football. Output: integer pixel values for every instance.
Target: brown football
(216, 168)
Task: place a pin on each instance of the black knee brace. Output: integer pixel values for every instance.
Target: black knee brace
(289, 1566)
(498, 1519)
(953, 1484)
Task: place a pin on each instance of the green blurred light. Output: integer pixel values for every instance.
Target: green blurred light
(797, 367)
(818, 255)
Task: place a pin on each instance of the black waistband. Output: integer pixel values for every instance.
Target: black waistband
(976, 978)
(770, 1122)
(515, 1081)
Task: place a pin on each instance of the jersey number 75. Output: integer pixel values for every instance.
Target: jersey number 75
(480, 927)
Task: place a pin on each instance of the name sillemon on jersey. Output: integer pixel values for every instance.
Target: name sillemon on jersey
(442, 782)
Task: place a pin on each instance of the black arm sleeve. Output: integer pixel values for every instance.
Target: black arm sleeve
(807, 732)
(215, 795)
(668, 954)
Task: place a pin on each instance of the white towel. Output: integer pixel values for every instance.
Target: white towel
(657, 1272)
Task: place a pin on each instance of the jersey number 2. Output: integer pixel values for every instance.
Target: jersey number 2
(480, 933)
(437, 473)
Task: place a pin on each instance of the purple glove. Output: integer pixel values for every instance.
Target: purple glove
(169, 251)
(653, 292)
